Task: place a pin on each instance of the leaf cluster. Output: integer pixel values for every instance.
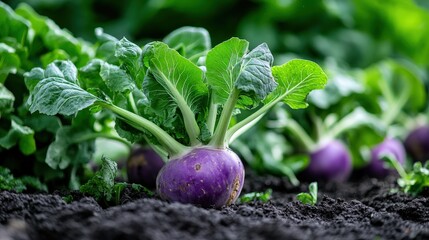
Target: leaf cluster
(310, 197)
(10, 183)
(102, 185)
(256, 196)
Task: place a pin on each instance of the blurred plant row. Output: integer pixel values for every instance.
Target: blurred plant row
(375, 53)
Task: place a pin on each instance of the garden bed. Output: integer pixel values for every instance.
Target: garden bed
(365, 209)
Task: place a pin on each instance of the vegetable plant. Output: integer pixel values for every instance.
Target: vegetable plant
(413, 181)
(329, 159)
(183, 109)
(103, 187)
(256, 196)
(311, 196)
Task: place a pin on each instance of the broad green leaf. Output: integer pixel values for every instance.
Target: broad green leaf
(311, 197)
(12, 25)
(33, 77)
(56, 38)
(192, 42)
(8, 182)
(296, 79)
(341, 85)
(305, 198)
(41, 122)
(70, 148)
(221, 65)
(106, 46)
(90, 79)
(9, 61)
(396, 82)
(161, 109)
(255, 73)
(230, 67)
(116, 79)
(21, 135)
(127, 52)
(56, 54)
(6, 100)
(182, 79)
(101, 185)
(59, 92)
(130, 56)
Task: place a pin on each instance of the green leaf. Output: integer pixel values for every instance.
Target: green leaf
(8, 182)
(130, 55)
(33, 77)
(6, 100)
(399, 85)
(182, 80)
(191, 42)
(39, 122)
(107, 46)
(255, 72)
(56, 38)
(311, 197)
(21, 135)
(12, 25)
(221, 65)
(34, 183)
(90, 79)
(71, 146)
(305, 198)
(101, 185)
(161, 109)
(313, 191)
(296, 79)
(256, 196)
(230, 67)
(56, 54)
(58, 91)
(116, 79)
(9, 61)
(341, 84)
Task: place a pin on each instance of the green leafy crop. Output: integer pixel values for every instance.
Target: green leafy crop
(256, 196)
(102, 185)
(415, 180)
(174, 102)
(310, 197)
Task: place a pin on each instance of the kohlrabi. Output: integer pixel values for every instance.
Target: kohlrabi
(376, 166)
(329, 158)
(417, 143)
(182, 108)
(143, 166)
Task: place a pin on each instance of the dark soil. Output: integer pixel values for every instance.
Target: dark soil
(354, 210)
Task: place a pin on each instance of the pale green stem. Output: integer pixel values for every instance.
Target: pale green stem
(219, 140)
(172, 146)
(237, 130)
(95, 135)
(301, 134)
(132, 103)
(211, 120)
(189, 120)
(394, 108)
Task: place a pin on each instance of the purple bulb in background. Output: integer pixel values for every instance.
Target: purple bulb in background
(143, 166)
(376, 166)
(417, 143)
(330, 162)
